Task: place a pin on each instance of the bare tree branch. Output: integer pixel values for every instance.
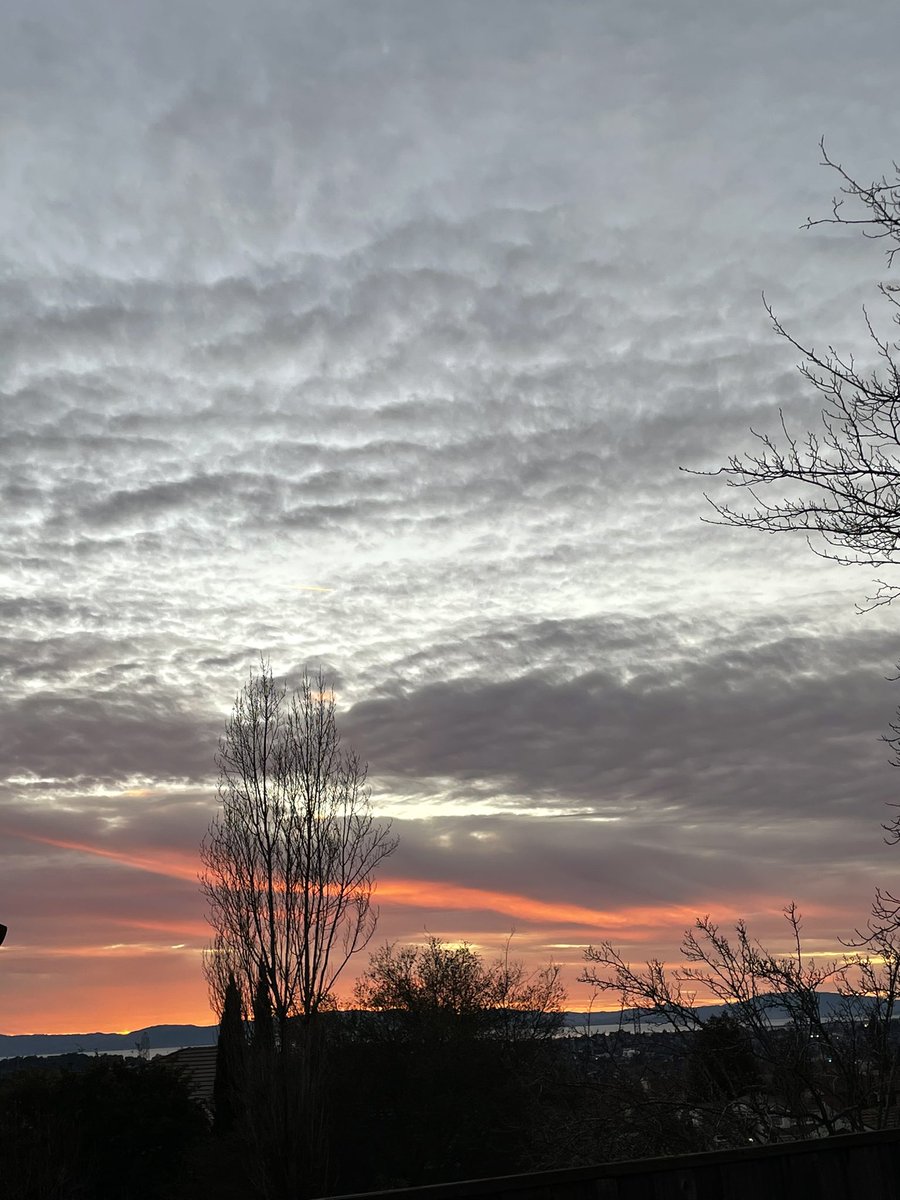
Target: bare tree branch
(824, 1070)
(445, 992)
(839, 485)
(289, 861)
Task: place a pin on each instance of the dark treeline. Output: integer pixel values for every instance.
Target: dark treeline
(449, 1068)
(379, 1100)
(91, 1128)
(360, 1103)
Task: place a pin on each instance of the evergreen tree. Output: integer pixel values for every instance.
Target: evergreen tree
(231, 1065)
(263, 1025)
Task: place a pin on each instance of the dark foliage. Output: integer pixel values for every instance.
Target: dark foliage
(450, 1108)
(120, 1128)
(722, 1060)
(231, 1063)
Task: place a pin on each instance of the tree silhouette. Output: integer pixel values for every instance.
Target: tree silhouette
(838, 485)
(231, 1063)
(289, 860)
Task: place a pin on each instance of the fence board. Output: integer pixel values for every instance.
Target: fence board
(847, 1167)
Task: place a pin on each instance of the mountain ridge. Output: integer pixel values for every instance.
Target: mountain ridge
(158, 1037)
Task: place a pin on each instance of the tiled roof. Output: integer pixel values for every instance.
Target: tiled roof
(198, 1065)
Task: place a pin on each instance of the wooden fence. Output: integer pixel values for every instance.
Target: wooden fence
(859, 1166)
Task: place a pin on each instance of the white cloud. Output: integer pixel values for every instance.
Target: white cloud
(424, 306)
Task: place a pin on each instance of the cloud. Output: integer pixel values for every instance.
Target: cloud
(589, 726)
(374, 336)
(105, 736)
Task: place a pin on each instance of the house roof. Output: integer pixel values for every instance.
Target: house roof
(198, 1065)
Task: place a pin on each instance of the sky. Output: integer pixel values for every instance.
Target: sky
(373, 336)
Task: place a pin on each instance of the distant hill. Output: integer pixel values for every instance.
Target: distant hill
(602, 1022)
(160, 1037)
(154, 1037)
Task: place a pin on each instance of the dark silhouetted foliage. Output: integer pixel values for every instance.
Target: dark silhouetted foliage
(121, 1128)
(722, 1060)
(231, 1063)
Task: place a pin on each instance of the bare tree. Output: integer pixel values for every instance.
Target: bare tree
(528, 1004)
(446, 991)
(289, 860)
(463, 1057)
(821, 1069)
(844, 479)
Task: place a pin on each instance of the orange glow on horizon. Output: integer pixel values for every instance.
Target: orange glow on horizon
(128, 972)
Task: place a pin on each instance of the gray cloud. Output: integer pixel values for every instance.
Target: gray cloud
(374, 335)
(669, 735)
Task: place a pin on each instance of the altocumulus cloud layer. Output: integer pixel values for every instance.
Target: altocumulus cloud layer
(373, 336)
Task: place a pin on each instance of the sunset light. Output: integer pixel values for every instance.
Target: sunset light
(393, 400)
